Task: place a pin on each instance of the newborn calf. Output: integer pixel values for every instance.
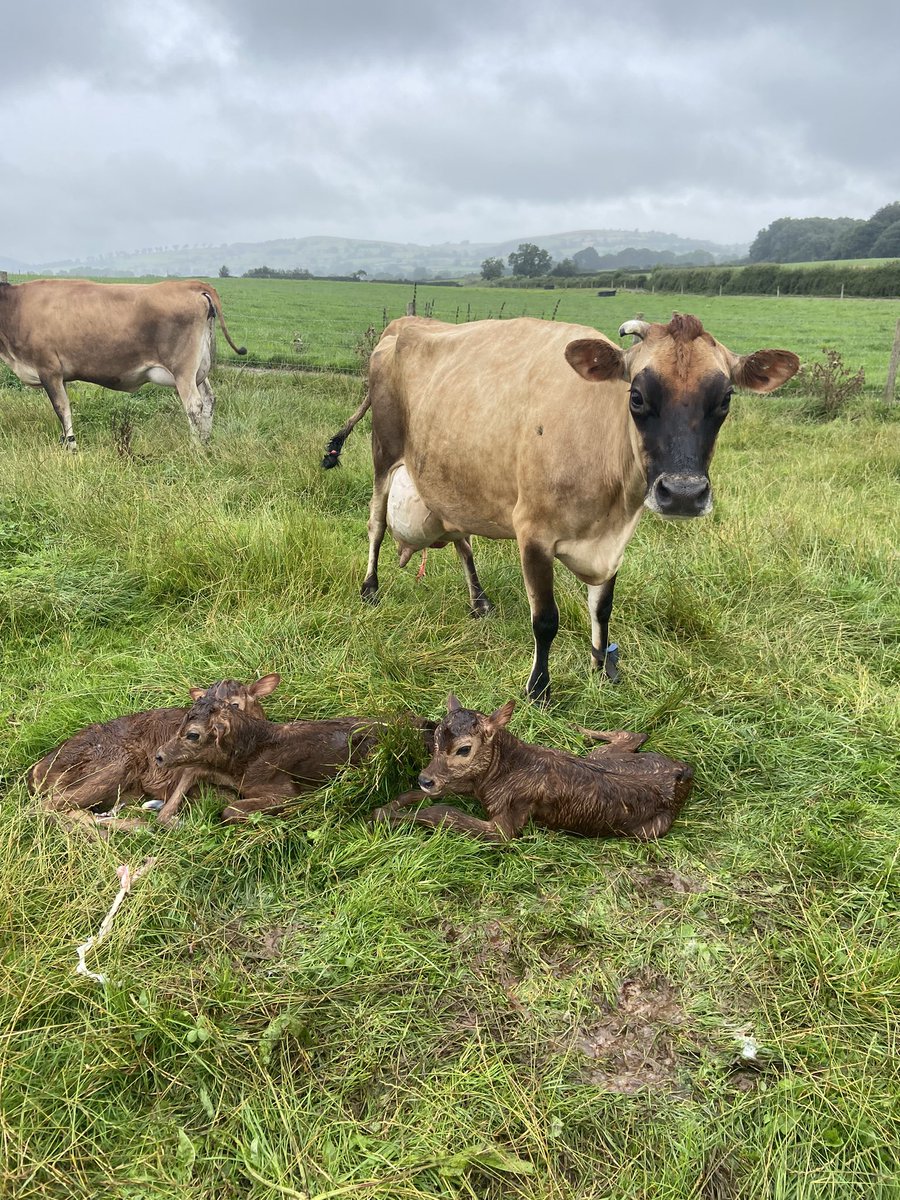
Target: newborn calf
(103, 765)
(267, 764)
(612, 792)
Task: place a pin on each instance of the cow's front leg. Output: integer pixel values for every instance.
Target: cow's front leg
(481, 606)
(603, 656)
(59, 398)
(537, 570)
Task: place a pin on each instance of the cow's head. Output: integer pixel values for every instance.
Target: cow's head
(680, 385)
(204, 735)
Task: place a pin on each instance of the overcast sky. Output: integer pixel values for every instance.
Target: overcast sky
(132, 123)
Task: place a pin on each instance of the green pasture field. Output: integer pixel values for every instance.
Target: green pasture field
(312, 1007)
(331, 318)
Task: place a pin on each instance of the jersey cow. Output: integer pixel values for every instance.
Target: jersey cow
(550, 434)
(118, 335)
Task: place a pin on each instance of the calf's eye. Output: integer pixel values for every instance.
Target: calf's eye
(463, 751)
(193, 736)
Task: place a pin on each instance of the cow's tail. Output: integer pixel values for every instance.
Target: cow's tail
(335, 446)
(215, 305)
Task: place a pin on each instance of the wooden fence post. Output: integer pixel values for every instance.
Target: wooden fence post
(892, 368)
(4, 278)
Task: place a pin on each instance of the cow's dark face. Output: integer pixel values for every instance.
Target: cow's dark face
(680, 383)
(677, 436)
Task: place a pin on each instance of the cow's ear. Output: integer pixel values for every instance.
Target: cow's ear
(596, 361)
(501, 716)
(764, 370)
(196, 693)
(453, 705)
(264, 686)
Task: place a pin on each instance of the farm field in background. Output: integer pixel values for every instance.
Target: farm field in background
(311, 1007)
(267, 316)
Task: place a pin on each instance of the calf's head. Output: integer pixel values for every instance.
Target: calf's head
(204, 735)
(680, 382)
(464, 748)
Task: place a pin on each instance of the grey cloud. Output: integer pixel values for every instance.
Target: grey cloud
(235, 119)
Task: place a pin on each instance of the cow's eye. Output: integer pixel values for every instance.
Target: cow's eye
(193, 736)
(463, 752)
(726, 402)
(637, 403)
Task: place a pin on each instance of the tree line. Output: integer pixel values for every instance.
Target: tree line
(818, 239)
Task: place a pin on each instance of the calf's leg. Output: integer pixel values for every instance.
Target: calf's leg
(600, 602)
(618, 740)
(502, 829)
(481, 606)
(537, 571)
(56, 390)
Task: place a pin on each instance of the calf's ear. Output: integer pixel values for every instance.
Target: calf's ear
(501, 716)
(196, 693)
(596, 361)
(453, 705)
(764, 370)
(264, 686)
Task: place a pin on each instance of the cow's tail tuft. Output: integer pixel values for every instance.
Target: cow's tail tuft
(335, 446)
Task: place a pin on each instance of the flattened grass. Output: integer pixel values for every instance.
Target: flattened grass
(314, 1007)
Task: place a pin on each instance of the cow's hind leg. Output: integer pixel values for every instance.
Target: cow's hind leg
(537, 570)
(191, 397)
(377, 529)
(56, 390)
(481, 606)
(603, 656)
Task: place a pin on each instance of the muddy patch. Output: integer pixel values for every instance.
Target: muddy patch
(633, 1044)
(663, 881)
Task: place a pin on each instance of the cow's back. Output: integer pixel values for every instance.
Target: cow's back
(85, 325)
(490, 411)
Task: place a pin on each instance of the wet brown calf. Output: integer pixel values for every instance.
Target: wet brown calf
(613, 791)
(103, 765)
(266, 763)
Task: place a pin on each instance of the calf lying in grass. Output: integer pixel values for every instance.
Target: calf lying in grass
(266, 763)
(613, 791)
(104, 765)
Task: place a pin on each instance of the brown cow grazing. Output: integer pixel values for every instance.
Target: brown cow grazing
(550, 434)
(104, 765)
(117, 335)
(267, 764)
(612, 792)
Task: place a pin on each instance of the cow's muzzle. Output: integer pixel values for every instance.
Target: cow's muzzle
(682, 496)
(426, 783)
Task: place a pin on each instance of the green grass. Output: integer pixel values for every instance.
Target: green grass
(313, 1007)
(267, 315)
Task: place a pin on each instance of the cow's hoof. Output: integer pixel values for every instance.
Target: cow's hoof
(69, 442)
(538, 691)
(369, 594)
(607, 662)
(481, 608)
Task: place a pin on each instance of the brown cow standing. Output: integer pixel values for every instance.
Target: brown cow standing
(612, 792)
(550, 434)
(117, 335)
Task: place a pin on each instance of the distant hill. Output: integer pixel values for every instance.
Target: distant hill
(12, 264)
(343, 256)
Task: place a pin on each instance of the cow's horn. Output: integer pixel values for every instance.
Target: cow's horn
(637, 328)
